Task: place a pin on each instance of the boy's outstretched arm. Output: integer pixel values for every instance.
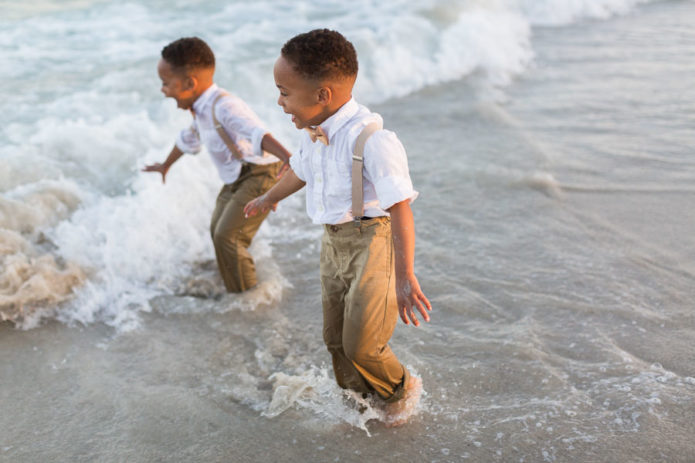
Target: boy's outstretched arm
(174, 155)
(288, 184)
(271, 145)
(408, 292)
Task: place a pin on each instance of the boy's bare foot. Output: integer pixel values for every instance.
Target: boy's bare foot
(397, 413)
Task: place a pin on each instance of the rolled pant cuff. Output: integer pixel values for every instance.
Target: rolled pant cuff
(399, 393)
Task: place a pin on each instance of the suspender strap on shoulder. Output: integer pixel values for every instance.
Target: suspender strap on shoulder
(357, 164)
(236, 152)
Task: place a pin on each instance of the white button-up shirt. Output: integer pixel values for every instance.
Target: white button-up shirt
(240, 122)
(327, 170)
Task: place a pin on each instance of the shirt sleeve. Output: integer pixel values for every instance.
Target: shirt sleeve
(386, 166)
(188, 140)
(242, 124)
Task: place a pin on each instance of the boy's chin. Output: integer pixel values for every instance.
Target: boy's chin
(298, 123)
(184, 104)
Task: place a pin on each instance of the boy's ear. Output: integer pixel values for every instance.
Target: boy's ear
(190, 83)
(325, 96)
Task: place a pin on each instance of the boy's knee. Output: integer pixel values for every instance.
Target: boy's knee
(226, 238)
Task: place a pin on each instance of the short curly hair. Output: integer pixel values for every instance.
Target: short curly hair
(189, 53)
(321, 54)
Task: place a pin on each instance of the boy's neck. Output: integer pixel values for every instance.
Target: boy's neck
(202, 88)
(334, 107)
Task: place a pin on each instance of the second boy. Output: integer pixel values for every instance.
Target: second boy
(244, 153)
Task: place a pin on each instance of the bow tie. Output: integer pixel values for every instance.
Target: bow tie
(317, 133)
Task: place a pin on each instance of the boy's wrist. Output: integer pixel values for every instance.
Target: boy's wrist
(265, 200)
(405, 274)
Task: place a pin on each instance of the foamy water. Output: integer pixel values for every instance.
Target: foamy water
(550, 142)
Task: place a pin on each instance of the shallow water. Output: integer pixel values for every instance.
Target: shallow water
(554, 241)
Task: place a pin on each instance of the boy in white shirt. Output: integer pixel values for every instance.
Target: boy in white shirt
(368, 226)
(240, 146)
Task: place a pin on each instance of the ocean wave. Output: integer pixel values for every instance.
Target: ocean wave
(83, 229)
(562, 13)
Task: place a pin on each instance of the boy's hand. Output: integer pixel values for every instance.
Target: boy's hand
(258, 206)
(289, 184)
(161, 168)
(410, 297)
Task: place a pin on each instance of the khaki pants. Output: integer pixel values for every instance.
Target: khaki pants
(359, 307)
(232, 232)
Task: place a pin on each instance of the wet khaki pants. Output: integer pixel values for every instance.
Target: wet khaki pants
(232, 232)
(359, 307)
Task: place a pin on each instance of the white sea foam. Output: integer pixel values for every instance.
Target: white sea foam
(559, 13)
(314, 391)
(421, 48)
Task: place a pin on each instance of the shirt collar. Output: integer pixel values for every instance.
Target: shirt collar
(331, 125)
(204, 98)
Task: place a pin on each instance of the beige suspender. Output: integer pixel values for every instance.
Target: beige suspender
(357, 163)
(236, 152)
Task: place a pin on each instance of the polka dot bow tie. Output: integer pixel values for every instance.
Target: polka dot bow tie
(317, 133)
